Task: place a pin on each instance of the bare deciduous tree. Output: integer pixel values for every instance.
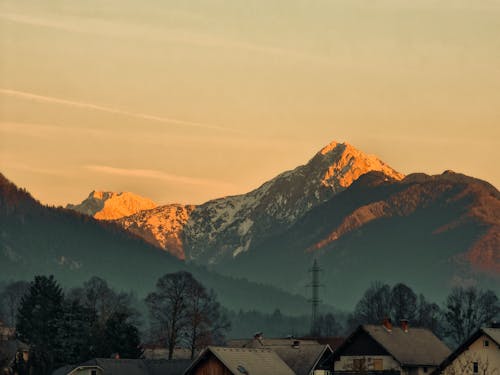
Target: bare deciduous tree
(168, 307)
(374, 306)
(184, 312)
(428, 315)
(467, 310)
(403, 303)
(206, 323)
(99, 297)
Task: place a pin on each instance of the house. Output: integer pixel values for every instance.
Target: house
(304, 357)
(14, 355)
(238, 361)
(390, 350)
(6, 332)
(479, 354)
(110, 366)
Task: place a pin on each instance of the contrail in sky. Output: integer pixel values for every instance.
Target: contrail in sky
(96, 107)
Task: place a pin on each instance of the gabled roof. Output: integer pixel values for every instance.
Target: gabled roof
(303, 358)
(268, 342)
(333, 341)
(253, 361)
(119, 366)
(416, 347)
(301, 355)
(168, 367)
(492, 333)
(130, 367)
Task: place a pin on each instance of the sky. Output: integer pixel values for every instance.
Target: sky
(185, 101)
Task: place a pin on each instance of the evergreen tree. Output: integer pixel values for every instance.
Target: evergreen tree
(121, 337)
(38, 321)
(76, 332)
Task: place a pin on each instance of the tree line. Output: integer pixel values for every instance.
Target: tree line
(465, 310)
(94, 320)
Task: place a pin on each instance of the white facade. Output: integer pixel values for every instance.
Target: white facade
(482, 357)
(371, 362)
(378, 363)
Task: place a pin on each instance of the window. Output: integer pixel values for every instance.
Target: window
(425, 369)
(378, 364)
(358, 364)
(242, 370)
(486, 343)
(93, 372)
(475, 367)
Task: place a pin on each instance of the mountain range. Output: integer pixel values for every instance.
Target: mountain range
(358, 217)
(42, 240)
(361, 219)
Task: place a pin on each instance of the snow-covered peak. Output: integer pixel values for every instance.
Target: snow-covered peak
(106, 205)
(343, 164)
(222, 226)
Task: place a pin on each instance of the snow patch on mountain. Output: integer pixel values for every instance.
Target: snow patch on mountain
(217, 228)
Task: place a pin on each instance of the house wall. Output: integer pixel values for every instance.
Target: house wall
(346, 363)
(488, 359)
(210, 366)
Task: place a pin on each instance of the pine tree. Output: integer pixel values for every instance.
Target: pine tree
(121, 337)
(38, 322)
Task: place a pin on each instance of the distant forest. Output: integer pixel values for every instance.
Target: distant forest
(464, 310)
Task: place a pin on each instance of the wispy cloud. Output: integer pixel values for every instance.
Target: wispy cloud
(100, 108)
(38, 170)
(48, 131)
(161, 34)
(157, 175)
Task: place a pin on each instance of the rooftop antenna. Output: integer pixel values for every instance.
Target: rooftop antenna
(315, 300)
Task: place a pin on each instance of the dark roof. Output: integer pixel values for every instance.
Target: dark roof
(254, 361)
(302, 358)
(131, 366)
(119, 366)
(333, 341)
(492, 333)
(64, 370)
(11, 347)
(268, 343)
(416, 347)
(168, 367)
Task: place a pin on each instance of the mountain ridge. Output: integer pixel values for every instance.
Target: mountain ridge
(43, 240)
(108, 205)
(208, 232)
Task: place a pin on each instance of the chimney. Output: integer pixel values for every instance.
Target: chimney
(404, 325)
(258, 335)
(387, 324)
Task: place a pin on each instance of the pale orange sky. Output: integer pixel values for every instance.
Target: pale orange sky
(187, 101)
